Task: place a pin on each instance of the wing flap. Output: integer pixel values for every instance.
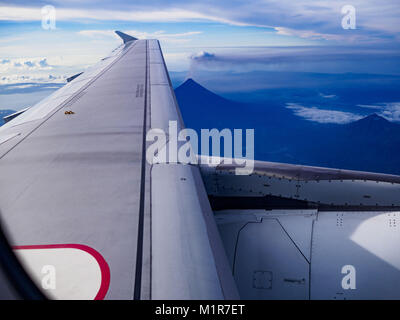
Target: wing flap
(188, 258)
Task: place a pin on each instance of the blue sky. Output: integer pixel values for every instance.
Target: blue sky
(225, 35)
(84, 34)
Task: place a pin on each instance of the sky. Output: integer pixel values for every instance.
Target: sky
(224, 35)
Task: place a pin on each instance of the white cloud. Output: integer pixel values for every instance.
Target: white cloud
(16, 65)
(368, 106)
(301, 18)
(313, 35)
(42, 69)
(167, 15)
(32, 77)
(327, 96)
(23, 86)
(390, 111)
(98, 33)
(322, 115)
(308, 34)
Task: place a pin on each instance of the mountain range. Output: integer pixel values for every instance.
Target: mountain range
(369, 144)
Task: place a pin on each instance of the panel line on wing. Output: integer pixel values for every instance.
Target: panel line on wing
(139, 251)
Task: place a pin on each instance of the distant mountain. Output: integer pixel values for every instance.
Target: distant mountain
(371, 143)
(274, 125)
(347, 90)
(202, 95)
(197, 104)
(202, 108)
(373, 124)
(4, 113)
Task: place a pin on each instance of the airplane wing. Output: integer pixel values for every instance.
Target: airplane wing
(85, 212)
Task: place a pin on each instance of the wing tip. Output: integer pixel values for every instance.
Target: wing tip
(125, 37)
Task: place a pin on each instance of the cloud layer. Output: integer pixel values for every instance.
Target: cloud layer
(376, 20)
(322, 115)
(389, 111)
(303, 59)
(26, 64)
